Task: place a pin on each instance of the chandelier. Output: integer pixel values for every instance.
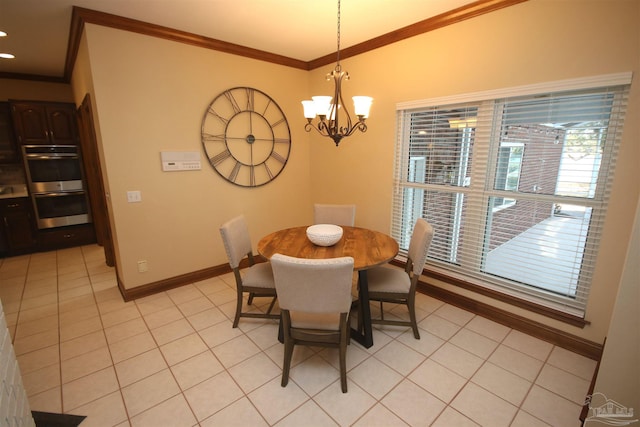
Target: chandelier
(331, 111)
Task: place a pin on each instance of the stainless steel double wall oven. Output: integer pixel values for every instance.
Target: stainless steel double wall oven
(55, 178)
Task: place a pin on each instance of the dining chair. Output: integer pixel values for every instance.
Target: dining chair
(256, 279)
(334, 214)
(398, 286)
(315, 299)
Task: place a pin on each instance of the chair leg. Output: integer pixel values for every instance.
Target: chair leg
(381, 311)
(411, 305)
(344, 332)
(288, 354)
(273, 302)
(288, 348)
(250, 301)
(236, 319)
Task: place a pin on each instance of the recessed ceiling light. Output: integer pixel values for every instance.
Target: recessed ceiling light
(3, 34)
(6, 56)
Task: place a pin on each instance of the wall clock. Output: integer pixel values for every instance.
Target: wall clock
(246, 137)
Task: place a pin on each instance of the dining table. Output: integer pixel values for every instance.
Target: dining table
(368, 248)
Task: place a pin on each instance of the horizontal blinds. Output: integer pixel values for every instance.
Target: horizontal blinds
(516, 188)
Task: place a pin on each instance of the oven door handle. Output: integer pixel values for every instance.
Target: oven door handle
(51, 157)
(59, 194)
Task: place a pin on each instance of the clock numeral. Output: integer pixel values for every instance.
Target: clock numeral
(278, 157)
(264, 112)
(233, 102)
(209, 137)
(279, 122)
(269, 173)
(234, 172)
(281, 140)
(252, 176)
(220, 157)
(250, 99)
(213, 112)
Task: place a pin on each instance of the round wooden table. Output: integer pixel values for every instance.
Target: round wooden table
(368, 248)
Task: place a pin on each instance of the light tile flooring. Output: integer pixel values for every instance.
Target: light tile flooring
(173, 359)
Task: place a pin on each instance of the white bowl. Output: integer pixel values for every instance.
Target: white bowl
(324, 234)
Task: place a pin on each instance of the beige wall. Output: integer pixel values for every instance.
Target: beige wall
(82, 84)
(34, 91)
(150, 95)
(619, 374)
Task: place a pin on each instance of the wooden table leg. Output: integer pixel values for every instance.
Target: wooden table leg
(366, 336)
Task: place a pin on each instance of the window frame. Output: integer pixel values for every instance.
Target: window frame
(491, 97)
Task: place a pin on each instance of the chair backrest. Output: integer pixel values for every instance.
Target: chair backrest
(419, 245)
(237, 242)
(334, 214)
(313, 285)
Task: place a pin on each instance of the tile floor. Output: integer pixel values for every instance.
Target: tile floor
(173, 359)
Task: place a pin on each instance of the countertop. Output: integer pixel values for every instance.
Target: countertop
(13, 191)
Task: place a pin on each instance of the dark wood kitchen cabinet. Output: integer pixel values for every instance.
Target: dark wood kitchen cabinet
(18, 226)
(8, 147)
(49, 123)
(65, 237)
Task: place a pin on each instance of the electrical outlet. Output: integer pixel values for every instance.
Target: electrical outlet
(142, 266)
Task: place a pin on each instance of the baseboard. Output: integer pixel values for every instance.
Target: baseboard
(171, 283)
(555, 336)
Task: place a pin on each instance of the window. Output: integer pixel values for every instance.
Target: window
(515, 183)
(508, 172)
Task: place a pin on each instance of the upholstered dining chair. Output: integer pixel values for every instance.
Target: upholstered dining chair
(315, 299)
(334, 214)
(256, 279)
(394, 285)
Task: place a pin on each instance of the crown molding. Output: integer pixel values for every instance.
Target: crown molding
(81, 16)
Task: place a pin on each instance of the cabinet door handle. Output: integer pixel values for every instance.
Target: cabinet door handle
(6, 223)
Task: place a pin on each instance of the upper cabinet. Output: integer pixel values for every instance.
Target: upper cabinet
(8, 149)
(49, 123)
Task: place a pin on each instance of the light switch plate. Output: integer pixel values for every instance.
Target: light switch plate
(134, 196)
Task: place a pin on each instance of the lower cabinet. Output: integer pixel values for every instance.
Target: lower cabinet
(65, 237)
(19, 235)
(18, 232)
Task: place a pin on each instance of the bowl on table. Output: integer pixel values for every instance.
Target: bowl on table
(324, 234)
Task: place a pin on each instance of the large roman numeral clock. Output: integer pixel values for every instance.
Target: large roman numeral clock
(246, 137)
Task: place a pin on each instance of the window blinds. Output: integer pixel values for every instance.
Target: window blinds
(516, 187)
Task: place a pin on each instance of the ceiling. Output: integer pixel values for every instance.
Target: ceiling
(38, 30)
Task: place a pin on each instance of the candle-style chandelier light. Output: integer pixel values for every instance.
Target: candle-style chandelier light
(331, 111)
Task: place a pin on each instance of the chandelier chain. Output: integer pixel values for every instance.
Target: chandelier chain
(338, 47)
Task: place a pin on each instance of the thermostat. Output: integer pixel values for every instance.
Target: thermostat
(180, 160)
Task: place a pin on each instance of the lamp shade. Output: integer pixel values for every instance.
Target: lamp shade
(322, 105)
(309, 109)
(362, 105)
